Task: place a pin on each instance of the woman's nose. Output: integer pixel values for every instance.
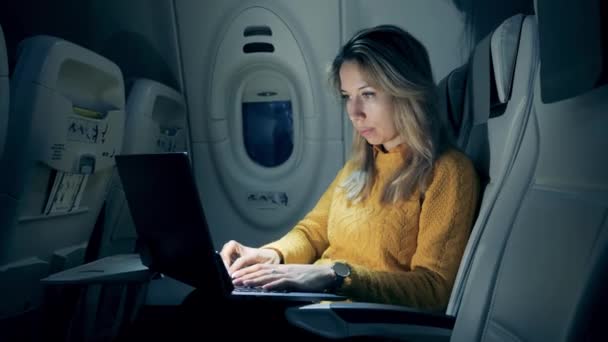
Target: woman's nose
(355, 109)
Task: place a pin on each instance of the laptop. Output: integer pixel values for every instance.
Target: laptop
(173, 234)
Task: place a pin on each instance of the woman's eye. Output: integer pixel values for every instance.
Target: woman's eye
(344, 97)
(368, 94)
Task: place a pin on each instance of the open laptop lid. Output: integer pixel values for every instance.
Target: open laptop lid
(169, 220)
(171, 226)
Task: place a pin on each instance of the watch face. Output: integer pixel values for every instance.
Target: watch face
(342, 270)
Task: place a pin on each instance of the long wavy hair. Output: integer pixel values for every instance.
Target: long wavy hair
(396, 62)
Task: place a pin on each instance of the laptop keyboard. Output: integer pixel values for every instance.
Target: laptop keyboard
(256, 289)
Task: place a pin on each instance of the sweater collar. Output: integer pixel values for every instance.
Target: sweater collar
(379, 150)
(389, 162)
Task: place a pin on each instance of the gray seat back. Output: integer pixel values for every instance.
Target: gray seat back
(493, 121)
(535, 272)
(66, 123)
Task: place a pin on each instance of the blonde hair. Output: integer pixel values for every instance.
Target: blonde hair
(397, 63)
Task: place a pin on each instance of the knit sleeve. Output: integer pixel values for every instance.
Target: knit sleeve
(445, 221)
(307, 241)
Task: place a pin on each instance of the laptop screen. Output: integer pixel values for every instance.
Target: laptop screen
(169, 219)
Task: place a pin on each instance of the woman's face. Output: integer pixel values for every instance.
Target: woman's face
(369, 109)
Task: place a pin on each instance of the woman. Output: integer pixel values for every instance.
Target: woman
(392, 226)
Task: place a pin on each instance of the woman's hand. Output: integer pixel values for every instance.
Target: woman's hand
(285, 277)
(236, 256)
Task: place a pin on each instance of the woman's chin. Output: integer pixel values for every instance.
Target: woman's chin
(370, 140)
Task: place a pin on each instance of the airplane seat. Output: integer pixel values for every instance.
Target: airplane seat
(65, 125)
(542, 280)
(496, 105)
(4, 91)
(116, 282)
(475, 110)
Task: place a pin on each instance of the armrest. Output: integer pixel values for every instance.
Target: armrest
(343, 320)
(86, 319)
(122, 268)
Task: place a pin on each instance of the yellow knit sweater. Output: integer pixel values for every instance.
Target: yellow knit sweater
(406, 253)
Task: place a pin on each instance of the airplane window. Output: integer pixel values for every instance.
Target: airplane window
(268, 131)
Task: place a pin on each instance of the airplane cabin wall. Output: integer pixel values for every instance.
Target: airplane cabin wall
(314, 25)
(438, 24)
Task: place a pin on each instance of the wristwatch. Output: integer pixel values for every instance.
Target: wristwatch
(342, 271)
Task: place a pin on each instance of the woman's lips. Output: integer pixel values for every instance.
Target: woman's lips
(365, 131)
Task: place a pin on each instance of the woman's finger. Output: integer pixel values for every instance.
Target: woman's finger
(242, 262)
(257, 276)
(280, 284)
(229, 253)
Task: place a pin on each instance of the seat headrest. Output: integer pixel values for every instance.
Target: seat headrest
(503, 49)
(45, 59)
(451, 101)
(492, 69)
(468, 94)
